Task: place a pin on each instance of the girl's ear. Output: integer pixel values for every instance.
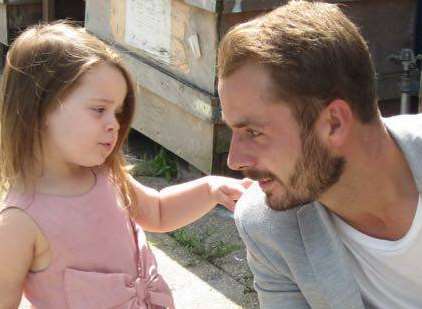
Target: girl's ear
(46, 122)
(334, 123)
(47, 116)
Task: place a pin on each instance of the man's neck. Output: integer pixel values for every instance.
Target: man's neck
(377, 194)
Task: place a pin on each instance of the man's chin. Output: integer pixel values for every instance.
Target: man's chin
(275, 194)
(282, 202)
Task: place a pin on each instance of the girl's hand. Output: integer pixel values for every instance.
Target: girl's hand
(226, 191)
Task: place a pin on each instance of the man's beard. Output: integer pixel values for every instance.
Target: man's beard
(315, 171)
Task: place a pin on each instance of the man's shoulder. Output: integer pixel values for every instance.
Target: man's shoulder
(254, 216)
(407, 132)
(405, 126)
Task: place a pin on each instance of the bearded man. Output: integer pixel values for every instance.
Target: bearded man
(334, 219)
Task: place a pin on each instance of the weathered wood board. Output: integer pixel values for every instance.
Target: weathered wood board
(18, 2)
(192, 100)
(182, 133)
(174, 114)
(179, 38)
(15, 17)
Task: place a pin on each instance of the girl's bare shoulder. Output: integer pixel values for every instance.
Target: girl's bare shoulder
(18, 234)
(17, 225)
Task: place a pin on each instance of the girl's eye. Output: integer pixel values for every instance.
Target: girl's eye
(99, 110)
(253, 133)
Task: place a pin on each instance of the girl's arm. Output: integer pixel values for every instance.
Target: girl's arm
(17, 243)
(179, 205)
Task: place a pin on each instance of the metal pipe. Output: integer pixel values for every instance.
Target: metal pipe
(405, 103)
(420, 94)
(406, 91)
(408, 84)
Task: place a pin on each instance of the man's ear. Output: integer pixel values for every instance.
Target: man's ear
(334, 123)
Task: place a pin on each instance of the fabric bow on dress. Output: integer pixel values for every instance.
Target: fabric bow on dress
(93, 290)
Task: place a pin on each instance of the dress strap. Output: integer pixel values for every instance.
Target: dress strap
(139, 265)
(16, 200)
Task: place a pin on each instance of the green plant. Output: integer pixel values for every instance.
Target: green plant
(221, 249)
(197, 245)
(247, 281)
(188, 240)
(162, 165)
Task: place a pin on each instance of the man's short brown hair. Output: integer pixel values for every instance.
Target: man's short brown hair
(314, 54)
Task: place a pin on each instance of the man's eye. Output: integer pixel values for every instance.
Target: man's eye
(253, 133)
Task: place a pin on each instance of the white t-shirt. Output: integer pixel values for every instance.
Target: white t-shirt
(389, 273)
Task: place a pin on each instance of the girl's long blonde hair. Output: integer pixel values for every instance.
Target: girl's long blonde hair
(43, 64)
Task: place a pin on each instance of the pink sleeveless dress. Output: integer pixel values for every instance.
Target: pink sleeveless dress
(98, 261)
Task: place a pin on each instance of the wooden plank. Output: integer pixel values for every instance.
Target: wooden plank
(48, 10)
(229, 20)
(222, 139)
(222, 136)
(209, 5)
(4, 36)
(14, 18)
(193, 101)
(74, 10)
(18, 2)
(177, 130)
(184, 46)
(3, 51)
(21, 16)
(238, 6)
(97, 18)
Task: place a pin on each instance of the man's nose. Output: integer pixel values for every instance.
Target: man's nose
(239, 158)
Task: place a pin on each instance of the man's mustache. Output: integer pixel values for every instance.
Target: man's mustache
(257, 175)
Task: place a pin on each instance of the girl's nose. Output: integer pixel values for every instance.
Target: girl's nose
(113, 124)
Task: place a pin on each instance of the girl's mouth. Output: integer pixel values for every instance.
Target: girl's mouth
(108, 146)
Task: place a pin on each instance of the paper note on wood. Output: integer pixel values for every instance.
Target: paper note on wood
(148, 27)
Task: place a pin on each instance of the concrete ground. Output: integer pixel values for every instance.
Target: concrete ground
(196, 283)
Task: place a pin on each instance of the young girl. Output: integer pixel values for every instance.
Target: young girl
(68, 228)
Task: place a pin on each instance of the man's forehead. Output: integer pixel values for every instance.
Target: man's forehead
(247, 72)
(250, 81)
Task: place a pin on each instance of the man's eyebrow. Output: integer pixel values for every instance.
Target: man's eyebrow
(241, 124)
